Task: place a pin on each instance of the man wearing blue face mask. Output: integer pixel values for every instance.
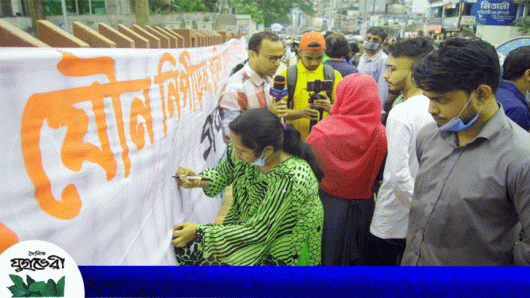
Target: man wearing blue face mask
(472, 185)
(372, 62)
(515, 84)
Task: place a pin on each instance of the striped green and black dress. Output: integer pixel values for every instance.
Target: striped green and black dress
(275, 219)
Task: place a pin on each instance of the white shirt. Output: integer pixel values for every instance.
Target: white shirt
(375, 67)
(392, 206)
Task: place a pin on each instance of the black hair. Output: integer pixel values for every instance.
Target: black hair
(259, 128)
(254, 43)
(414, 48)
(516, 63)
(337, 46)
(354, 47)
(458, 64)
(379, 31)
(295, 45)
(238, 67)
(328, 33)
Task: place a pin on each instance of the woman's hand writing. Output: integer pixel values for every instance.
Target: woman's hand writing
(184, 182)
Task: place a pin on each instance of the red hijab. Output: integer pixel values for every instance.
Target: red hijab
(351, 142)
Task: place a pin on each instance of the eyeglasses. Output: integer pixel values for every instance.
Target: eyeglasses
(272, 59)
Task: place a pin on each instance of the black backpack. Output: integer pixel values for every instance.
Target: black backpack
(292, 76)
(238, 67)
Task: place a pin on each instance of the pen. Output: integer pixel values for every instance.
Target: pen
(198, 178)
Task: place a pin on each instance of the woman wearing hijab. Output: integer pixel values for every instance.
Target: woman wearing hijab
(351, 145)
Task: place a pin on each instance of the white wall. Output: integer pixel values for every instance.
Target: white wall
(497, 35)
(16, 6)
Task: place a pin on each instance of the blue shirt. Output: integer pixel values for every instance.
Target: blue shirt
(342, 66)
(375, 67)
(514, 104)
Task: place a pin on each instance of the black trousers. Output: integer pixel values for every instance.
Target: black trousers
(346, 230)
(385, 252)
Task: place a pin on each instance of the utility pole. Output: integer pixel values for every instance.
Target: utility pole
(224, 8)
(36, 12)
(460, 6)
(141, 9)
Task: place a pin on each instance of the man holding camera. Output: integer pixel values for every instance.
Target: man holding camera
(303, 107)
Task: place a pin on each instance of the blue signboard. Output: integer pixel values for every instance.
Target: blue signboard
(494, 12)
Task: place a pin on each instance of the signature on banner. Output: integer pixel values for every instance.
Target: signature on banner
(184, 85)
(210, 127)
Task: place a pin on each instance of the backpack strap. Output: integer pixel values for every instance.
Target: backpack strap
(292, 76)
(329, 74)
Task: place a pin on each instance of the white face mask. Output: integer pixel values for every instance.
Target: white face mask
(371, 46)
(260, 161)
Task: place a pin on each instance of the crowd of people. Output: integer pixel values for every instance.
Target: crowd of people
(414, 154)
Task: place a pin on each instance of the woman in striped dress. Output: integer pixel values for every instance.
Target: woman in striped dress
(276, 217)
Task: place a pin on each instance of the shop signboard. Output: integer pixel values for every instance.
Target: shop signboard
(494, 12)
(450, 23)
(468, 20)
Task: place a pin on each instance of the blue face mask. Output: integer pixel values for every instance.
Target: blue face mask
(456, 124)
(259, 162)
(528, 93)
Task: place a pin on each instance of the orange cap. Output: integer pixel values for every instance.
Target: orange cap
(313, 41)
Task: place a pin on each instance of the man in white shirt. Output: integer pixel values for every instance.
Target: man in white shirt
(372, 62)
(389, 223)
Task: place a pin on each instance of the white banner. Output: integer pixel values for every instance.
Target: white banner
(91, 138)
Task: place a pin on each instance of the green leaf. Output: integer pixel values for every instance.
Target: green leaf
(17, 292)
(29, 280)
(53, 284)
(49, 290)
(18, 281)
(37, 287)
(60, 287)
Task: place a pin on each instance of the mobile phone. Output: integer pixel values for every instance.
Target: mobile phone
(198, 178)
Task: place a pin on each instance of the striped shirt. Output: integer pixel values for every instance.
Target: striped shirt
(244, 90)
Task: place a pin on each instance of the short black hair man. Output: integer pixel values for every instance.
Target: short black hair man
(249, 87)
(474, 165)
(515, 84)
(337, 49)
(391, 214)
(310, 68)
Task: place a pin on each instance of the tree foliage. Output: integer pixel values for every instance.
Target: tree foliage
(160, 6)
(271, 11)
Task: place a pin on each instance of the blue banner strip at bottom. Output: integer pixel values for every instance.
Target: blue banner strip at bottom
(122, 281)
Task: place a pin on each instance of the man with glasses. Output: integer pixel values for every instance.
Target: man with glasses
(249, 87)
(309, 68)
